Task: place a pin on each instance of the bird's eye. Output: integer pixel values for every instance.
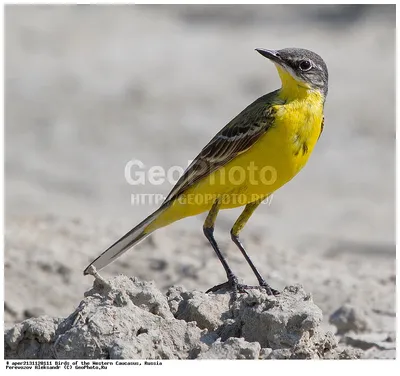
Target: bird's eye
(305, 65)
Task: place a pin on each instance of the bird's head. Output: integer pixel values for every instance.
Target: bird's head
(299, 68)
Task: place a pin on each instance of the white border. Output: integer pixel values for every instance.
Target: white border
(222, 367)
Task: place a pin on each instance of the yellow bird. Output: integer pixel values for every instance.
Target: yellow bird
(255, 154)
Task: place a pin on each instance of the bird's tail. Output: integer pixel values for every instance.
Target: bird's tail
(122, 245)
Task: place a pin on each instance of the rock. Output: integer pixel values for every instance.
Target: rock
(280, 354)
(142, 294)
(232, 348)
(126, 318)
(208, 310)
(322, 346)
(174, 296)
(350, 353)
(265, 353)
(278, 322)
(130, 319)
(349, 318)
(31, 339)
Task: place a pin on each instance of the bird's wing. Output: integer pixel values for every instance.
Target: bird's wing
(235, 138)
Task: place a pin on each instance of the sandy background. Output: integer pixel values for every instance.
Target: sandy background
(90, 88)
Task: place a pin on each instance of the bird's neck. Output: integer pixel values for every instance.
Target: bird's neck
(293, 90)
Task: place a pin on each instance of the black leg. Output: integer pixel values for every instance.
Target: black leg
(209, 233)
(261, 280)
(237, 227)
(208, 230)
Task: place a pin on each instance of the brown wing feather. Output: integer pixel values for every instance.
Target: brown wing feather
(235, 138)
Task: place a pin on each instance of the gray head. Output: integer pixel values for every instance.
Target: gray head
(303, 65)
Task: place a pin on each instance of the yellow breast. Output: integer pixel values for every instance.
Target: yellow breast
(296, 131)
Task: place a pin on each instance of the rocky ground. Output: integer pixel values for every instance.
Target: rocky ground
(353, 299)
(88, 89)
(126, 318)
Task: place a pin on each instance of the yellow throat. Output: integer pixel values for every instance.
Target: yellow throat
(293, 89)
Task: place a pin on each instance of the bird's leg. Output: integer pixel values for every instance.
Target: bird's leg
(237, 227)
(208, 229)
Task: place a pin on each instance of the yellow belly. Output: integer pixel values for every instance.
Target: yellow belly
(256, 173)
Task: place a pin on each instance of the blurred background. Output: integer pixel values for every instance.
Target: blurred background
(89, 88)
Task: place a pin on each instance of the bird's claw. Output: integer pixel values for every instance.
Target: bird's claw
(235, 287)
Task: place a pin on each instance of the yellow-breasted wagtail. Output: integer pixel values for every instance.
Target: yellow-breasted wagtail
(256, 153)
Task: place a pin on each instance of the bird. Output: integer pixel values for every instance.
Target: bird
(255, 154)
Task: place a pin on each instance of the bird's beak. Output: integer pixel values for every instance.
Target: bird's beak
(271, 55)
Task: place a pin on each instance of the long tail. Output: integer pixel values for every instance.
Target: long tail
(122, 245)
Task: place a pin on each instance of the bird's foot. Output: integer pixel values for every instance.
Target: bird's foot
(270, 291)
(236, 287)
